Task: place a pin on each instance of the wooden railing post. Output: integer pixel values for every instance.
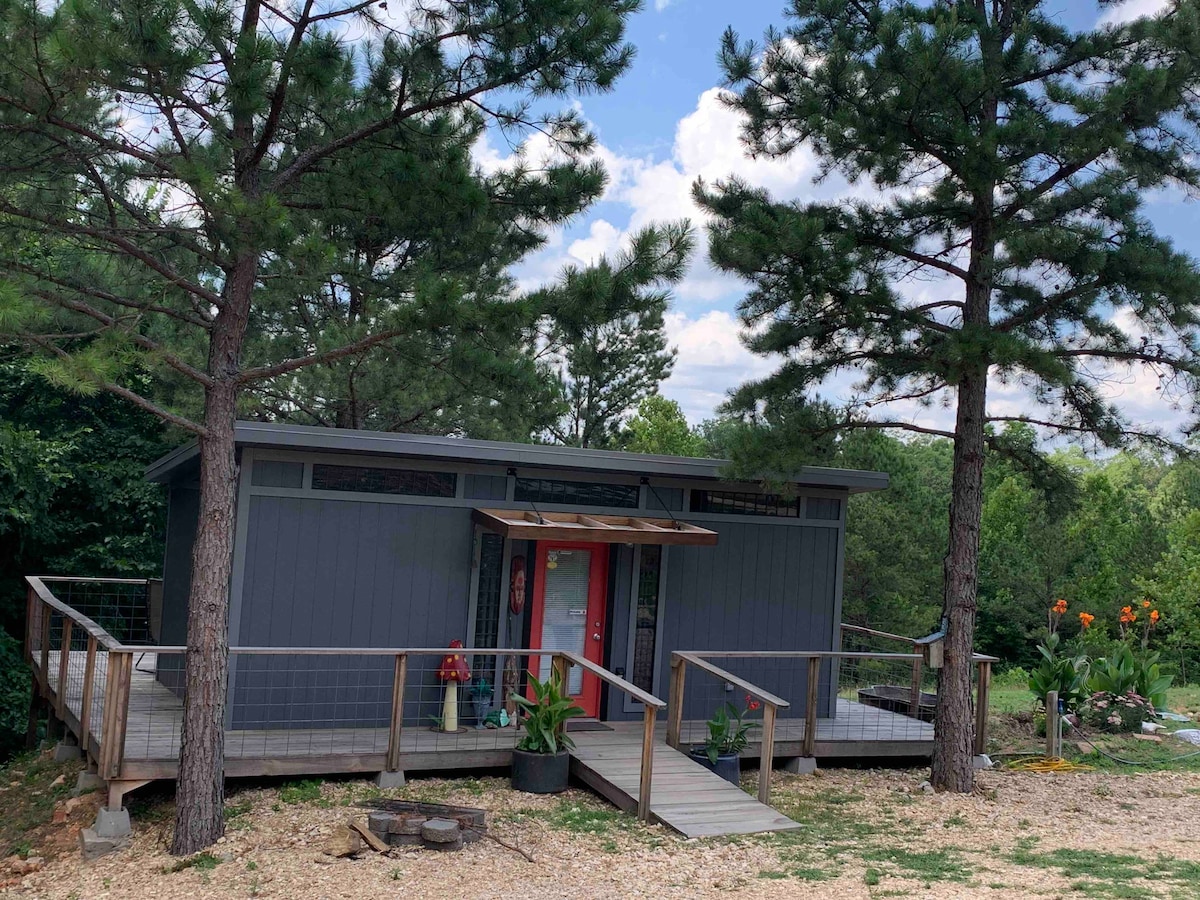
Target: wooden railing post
(675, 700)
(31, 607)
(116, 713)
(983, 690)
(649, 720)
(396, 726)
(1053, 727)
(810, 707)
(44, 674)
(89, 677)
(64, 659)
(766, 760)
(914, 703)
(560, 668)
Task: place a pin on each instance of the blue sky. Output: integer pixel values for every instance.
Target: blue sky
(663, 126)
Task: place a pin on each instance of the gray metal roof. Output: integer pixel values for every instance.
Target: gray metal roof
(423, 446)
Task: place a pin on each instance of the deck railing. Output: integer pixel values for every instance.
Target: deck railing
(364, 704)
(844, 700)
(983, 673)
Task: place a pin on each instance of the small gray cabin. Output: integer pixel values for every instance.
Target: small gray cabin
(392, 593)
(364, 539)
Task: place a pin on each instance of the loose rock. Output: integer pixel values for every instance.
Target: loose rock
(343, 842)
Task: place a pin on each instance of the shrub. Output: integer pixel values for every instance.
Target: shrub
(1119, 713)
(1066, 674)
(1121, 673)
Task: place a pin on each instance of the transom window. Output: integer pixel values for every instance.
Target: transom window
(576, 493)
(377, 480)
(745, 503)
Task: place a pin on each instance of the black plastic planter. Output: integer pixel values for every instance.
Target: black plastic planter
(540, 773)
(728, 765)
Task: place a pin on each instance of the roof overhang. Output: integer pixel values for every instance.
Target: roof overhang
(524, 457)
(519, 524)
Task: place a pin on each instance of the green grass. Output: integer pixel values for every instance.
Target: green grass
(583, 814)
(924, 865)
(29, 803)
(202, 862)
(833, 831)
(307, 791)
(1099, 874)
(1016, 698)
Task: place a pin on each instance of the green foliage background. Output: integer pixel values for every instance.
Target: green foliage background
(1101, 533)
(72, 500)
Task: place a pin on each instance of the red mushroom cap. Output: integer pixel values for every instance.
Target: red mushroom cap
(454, 665)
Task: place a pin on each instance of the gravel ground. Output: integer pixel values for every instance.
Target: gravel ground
(868, 833)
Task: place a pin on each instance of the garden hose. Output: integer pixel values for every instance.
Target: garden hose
(1041, 764)
(1127, 762)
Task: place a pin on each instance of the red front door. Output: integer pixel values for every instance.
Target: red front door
(570, 589)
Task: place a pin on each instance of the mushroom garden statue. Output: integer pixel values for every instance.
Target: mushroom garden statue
(452, 670)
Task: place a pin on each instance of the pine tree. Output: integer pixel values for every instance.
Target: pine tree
(609, 341)
(431, 218)
(158, 160)
(1013, 156)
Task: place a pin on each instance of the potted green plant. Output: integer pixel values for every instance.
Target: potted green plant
(728, 734)
(540, 762)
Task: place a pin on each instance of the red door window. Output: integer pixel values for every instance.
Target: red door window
(570, 589)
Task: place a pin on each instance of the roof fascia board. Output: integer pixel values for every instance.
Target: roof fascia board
(301, 437)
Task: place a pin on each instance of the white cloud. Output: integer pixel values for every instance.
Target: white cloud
(604, 239)
(1120, 13)
(660, 5)
(712, 360)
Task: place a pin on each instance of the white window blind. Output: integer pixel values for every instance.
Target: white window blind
(565, 608)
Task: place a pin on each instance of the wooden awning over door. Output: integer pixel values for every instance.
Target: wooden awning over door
(568, 526)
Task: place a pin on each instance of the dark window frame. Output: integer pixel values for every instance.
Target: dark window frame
(647, 613)
(562, 492)
(745, 503)
(383, 480)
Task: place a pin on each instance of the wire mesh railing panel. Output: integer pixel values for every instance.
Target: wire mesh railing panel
(855, 641)
(876, 700)
(297, 704)
(122, 608)
(859, 697)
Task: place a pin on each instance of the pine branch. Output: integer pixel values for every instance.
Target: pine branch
(124, 244)
(125, 393)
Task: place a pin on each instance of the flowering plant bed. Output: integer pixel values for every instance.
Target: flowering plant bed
(1116, 713)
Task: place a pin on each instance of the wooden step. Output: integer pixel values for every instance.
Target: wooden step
(684, 795)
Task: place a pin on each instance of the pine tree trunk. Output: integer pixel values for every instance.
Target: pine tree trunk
(200, 789)
(954, 727)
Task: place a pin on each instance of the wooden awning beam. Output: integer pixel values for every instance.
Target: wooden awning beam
(527, 525)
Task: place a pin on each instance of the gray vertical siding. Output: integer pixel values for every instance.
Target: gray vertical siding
(182, 515)
(335, 573)
(762, 587)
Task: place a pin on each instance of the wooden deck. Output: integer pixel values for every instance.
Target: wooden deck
(155, 715)
(685, 796)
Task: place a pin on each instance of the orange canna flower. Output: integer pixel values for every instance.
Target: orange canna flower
(1128, 615)
(1145, 604)
(1086, 619)
(1060, 606)
(1154, 616)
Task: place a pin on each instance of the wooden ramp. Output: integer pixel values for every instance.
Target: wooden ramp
(684, 795)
